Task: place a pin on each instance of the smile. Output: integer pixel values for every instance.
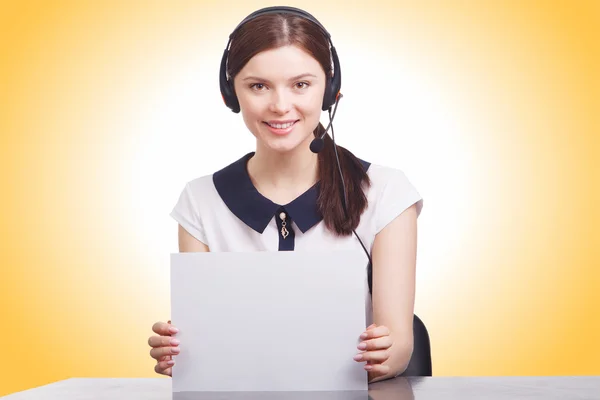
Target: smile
(281, 126)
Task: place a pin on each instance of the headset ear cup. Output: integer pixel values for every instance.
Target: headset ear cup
(327, 103)
(228, 97)
(227, 92)
(334, 83)
(231, 99)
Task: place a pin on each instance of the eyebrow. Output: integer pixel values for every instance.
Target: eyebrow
(255, 78)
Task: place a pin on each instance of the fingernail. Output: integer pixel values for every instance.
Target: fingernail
(173, 329)
(364, 335)
(175, 350)
(358, 357)
(174, 342)
(368, 367)
(362, 346)
(171, 362)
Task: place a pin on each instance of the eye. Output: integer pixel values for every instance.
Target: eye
(257, 86)
(304, 85)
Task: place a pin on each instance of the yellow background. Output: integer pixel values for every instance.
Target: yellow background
(512, 285)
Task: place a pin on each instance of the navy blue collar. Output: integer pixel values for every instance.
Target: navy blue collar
(241, 197)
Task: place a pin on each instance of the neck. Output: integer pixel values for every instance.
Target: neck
(283, 176)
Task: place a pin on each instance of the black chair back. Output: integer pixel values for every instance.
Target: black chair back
(420, 362)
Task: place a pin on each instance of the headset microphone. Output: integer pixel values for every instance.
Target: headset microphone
(317, 143)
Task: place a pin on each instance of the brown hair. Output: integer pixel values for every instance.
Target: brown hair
(275, 30)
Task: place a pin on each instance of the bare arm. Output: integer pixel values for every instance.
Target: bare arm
(188, 243)
(394, 264)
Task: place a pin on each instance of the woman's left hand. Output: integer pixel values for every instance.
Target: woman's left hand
(375, 349)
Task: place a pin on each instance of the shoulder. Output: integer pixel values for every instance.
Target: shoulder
(197, 192)
(384, 178)
(195, 196)
(200, 183)
(391, 192)
(201, 199)
(381, 175)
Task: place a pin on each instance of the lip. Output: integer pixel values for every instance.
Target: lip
(274, 121)
(281, 132)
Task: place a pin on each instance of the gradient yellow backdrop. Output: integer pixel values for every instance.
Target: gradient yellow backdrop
(98, 99)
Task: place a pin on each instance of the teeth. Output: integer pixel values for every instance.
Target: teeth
(282, 126)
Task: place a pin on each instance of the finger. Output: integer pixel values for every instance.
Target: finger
(165, 358)
(369, 328)
(376, 332)
(162, 341)
(164, 328)
(164, 367)
(381, 343)
(158, 352)
(377, 356)
(378, 368)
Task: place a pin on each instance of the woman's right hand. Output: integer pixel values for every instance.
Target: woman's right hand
(163, 347)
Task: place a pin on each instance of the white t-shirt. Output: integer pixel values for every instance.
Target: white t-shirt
(226, 212)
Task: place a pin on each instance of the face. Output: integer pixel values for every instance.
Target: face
(280, 92)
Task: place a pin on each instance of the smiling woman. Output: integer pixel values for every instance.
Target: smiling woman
(280, 73)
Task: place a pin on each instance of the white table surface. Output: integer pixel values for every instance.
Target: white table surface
(446, 388)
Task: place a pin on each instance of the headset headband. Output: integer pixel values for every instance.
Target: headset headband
(332, 86)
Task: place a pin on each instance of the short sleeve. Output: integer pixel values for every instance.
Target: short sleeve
(186, 213)
(397, 195)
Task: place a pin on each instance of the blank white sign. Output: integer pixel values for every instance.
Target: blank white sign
(268, 321)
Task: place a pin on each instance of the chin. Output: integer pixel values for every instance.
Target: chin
(283, 147)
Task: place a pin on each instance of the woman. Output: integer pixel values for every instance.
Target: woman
(283, 196)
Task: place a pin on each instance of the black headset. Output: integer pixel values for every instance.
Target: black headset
(333, 83)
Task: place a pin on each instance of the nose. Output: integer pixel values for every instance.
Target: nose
(280, 102)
